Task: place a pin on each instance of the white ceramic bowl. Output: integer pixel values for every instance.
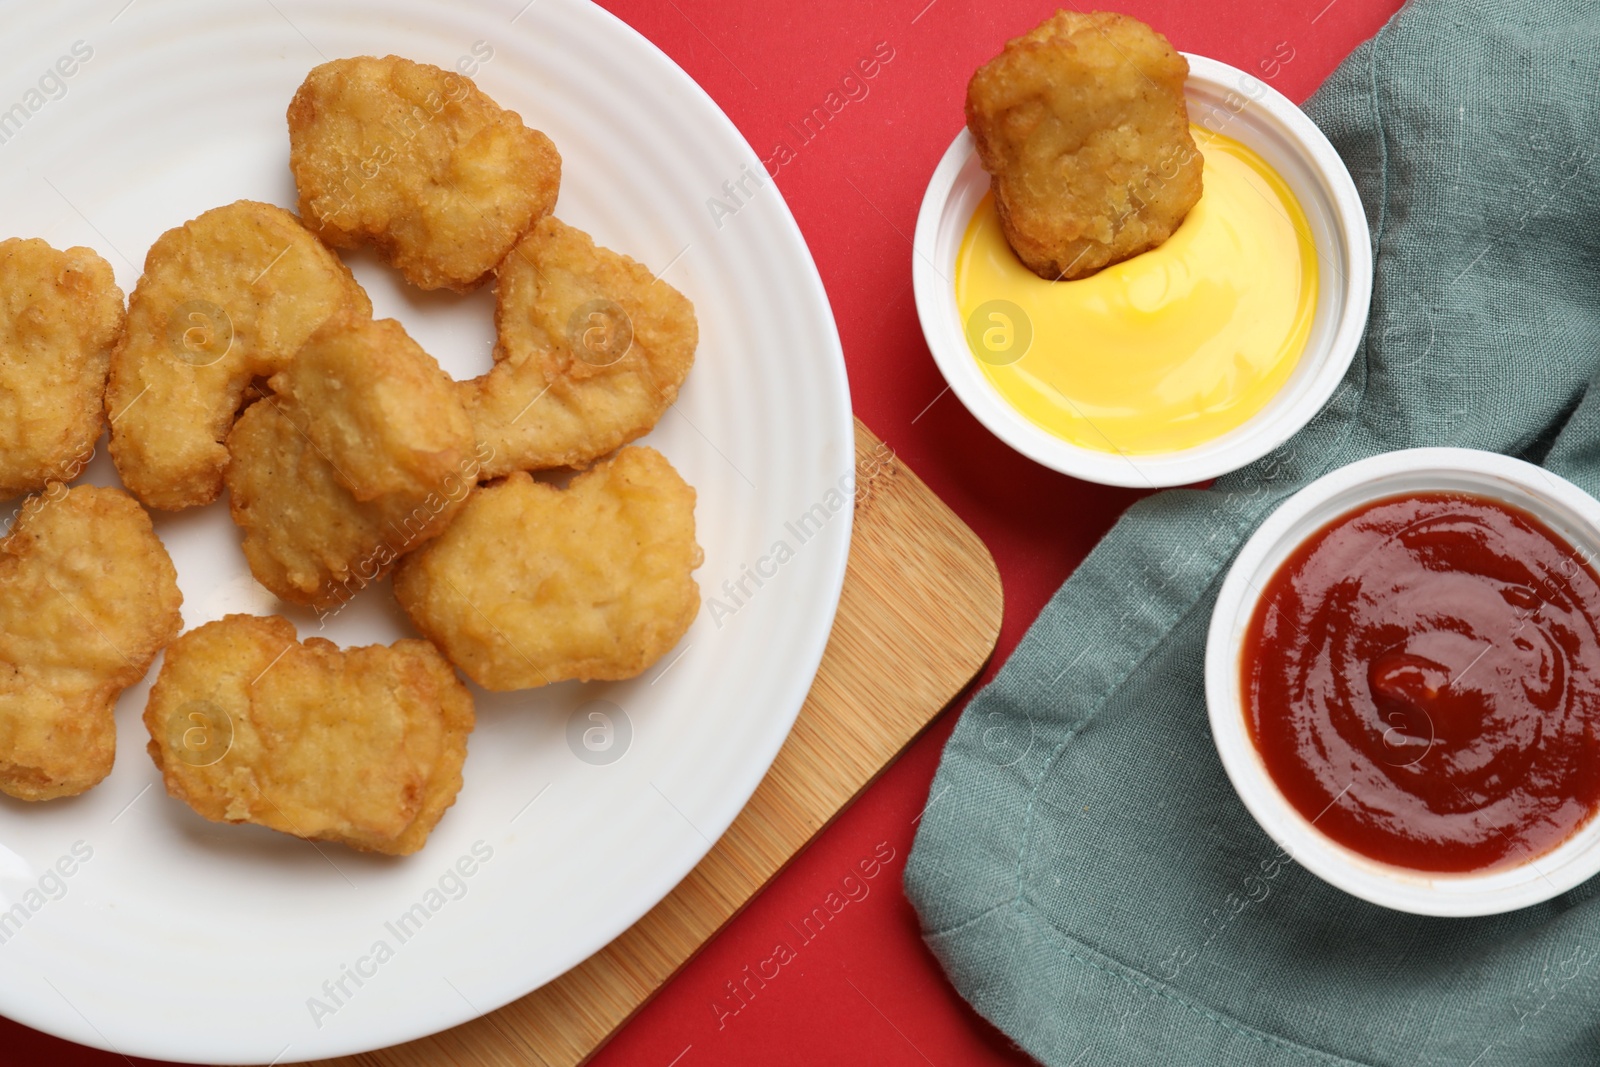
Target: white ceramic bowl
(1565, 508)
(1225, 100)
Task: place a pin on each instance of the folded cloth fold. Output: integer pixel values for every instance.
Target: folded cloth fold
(1084, 870)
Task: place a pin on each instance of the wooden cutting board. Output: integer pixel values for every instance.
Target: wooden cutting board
(918, 618)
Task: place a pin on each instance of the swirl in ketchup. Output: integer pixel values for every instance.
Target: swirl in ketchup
(1422, 680)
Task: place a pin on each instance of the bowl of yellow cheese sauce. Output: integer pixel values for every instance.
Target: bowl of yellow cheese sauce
(1184, 362)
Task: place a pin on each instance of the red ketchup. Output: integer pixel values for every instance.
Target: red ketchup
(1422, 680)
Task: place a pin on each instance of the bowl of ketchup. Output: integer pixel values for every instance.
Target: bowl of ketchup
(1403, 681)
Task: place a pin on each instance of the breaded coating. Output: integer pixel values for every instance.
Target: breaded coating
(363, 453)
(377, 406)
(88, 596)
(533, 584)
(591, 351)
(60, 313)
(417, 162)
(363, 746)
(1083, 129)
(225, 299)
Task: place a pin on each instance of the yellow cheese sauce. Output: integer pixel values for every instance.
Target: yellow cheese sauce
(1163, 351)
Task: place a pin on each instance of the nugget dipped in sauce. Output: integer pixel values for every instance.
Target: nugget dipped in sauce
(1082, 126)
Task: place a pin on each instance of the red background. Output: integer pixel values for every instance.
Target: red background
(866, 990)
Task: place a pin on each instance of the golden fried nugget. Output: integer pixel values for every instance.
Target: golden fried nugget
(419, 163)
(1083, 129)
(533, 584)
(377, 406)
(60, 313)
(362, 745)
(591, 351)
(225, 299)
(88, 596)
(363, 453)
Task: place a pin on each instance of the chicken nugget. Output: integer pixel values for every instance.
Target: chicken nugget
(225, 299)
(1083, 129)
(88, 596)
(363, 746)
(417, 162)
(363, 452)
(591, 351)
(60, 313)
(533, 584)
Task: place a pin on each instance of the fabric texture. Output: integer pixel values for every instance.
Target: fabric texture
(1084, 870)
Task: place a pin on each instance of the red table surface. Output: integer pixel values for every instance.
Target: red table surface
(866, 990)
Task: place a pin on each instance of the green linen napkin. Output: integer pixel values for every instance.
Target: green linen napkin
(1084, 870)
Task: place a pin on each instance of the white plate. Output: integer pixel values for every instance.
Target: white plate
(182, 939)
